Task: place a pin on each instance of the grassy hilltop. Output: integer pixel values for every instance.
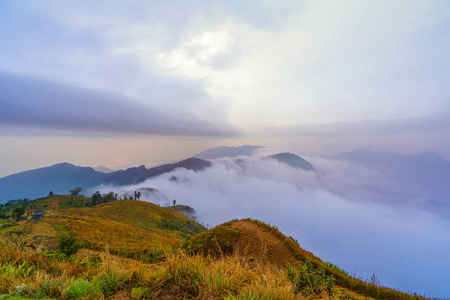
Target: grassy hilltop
(130, 249)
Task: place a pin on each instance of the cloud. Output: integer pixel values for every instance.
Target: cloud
(48, 105)
(266, 63)
(403, 246)
(425, 124)
(108, 47)
(338, 62)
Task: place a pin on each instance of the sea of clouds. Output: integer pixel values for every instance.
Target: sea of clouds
(330, 211)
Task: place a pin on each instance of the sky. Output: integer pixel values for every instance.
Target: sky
(124, 83)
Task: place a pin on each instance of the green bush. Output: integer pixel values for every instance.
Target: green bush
(310, 281)
(112, 282)
(17, 271)
(68, 245)
(335, 267)
(18, 211)
(49, 288)
(187, 227)
(82, 289)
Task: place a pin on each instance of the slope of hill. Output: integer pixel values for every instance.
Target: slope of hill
(224, 151)
(123, 225)
(258, 243)
(128, 254)
(61, 178)
(292, 160)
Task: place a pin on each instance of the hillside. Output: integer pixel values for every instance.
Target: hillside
(258, 243)
(124, 225)
(137, 250)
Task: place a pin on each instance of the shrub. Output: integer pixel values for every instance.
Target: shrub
(68, 245)
(309, 280)
(48, 288)
(335, 267)
(17, 271)
(187, 227)
(112, 281)
(18, 211)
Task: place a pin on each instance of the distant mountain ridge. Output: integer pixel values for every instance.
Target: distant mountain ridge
(103, 169)
(368, 156)
(59, 178)
(62, 177)
(225, 151)
(424, 176)
(292, 160)
(140, 174)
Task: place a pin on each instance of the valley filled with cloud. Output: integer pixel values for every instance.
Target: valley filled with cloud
(327, 210)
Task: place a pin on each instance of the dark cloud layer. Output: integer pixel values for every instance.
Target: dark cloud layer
(37, 103)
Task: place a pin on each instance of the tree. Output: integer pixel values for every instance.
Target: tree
(96, 198)
(75, 191)
(18, 211)
(137, 195)
(128, 197)
(51, 194)
(109, 197)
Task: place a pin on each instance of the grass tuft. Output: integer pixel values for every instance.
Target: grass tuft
(82, 289)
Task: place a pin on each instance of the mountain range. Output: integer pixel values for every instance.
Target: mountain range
(62, 177)
(224, 151)
(379, 159)
(423, 177)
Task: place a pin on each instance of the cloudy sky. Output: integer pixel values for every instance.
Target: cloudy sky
(120, 83)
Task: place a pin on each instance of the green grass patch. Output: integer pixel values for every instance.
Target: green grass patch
(82, 289)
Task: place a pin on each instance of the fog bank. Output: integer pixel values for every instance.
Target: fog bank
(325, 210)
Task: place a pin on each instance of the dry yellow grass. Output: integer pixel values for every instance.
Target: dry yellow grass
(129, 227)
(243, 259)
